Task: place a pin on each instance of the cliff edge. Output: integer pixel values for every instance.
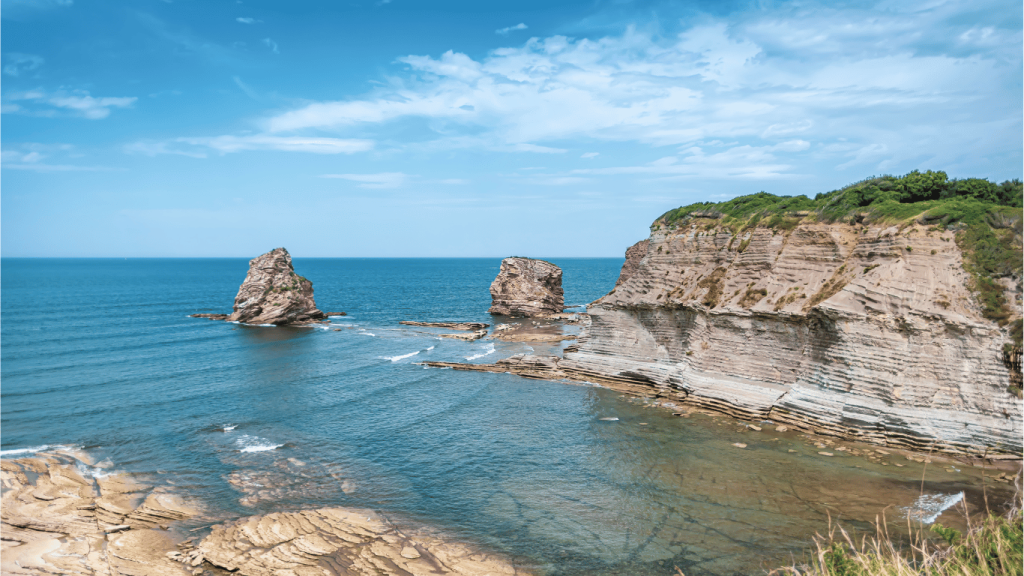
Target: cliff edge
(273, 293)
(882, 320)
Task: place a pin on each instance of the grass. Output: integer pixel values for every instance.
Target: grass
(992, 545)
(986, 218)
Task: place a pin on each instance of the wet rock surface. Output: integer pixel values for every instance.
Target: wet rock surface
(474, 326)
(57, 521)
(331, 541)
(273, 293)
(527, 287)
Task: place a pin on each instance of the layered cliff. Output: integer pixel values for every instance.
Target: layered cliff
(527, 287)
(870, 327)
(273, 293)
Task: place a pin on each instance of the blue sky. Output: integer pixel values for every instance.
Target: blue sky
(402, 128)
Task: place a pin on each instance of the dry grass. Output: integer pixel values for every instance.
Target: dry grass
(991, 546)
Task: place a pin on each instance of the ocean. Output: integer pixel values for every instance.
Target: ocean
(99, 355)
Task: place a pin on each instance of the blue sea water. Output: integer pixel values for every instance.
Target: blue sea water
(566, 479)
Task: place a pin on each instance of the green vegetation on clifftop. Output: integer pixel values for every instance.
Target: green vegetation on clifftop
(985, 216)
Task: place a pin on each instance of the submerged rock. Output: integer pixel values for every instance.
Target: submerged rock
(527, 287)
(274, 294)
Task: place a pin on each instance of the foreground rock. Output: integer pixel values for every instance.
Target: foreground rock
(527, 287)
(467, 337)
(273, 293)
(475, 326)
(331, 541)
(55, 521)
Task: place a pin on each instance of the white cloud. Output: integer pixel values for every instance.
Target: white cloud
(272, 45)
(454, 181)
(590, 155)
(246, 20)
(505, 31)
(199, 147)
(19, 63)
(381, 180)
(76, 102)
(763, 78)
(32, 157)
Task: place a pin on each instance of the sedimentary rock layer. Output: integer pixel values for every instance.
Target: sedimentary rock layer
(450, 325)
(335, 541)
(527, 287)
(634, 255)
(55, 521)
(856, 331)
(273, 293)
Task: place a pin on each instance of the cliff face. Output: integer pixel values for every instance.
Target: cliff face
(527, 287)
(852, 330)
(634, 255)
(273, 294)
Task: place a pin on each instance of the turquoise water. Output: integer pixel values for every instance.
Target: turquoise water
(100, 355)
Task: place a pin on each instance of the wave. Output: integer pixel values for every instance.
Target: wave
(16, 451)
(929, 507)
(367, 333)
(255, 444)
(397, 358)
(487, 351)
(230, 427)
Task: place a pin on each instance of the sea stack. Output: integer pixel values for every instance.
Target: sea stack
(274, 294)
(527, 287)
(634, 254)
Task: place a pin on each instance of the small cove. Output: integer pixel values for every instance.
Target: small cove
(252, 420)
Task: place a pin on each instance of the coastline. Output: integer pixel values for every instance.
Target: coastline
(57, 519)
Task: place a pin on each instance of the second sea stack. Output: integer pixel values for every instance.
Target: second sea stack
(274, 294)
(527, 287)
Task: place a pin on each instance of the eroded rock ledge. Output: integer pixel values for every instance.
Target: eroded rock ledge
(474, 326)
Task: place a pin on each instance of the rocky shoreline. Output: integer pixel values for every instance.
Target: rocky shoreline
(56, 520)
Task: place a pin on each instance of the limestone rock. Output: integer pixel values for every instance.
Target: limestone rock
(634, 254)
(847, 330)
(527, 287)
(338, 541)
(274, 294)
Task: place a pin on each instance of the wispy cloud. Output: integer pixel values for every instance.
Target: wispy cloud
(18, 63)
(33, 157)
(62, 102)
(272, 45)
(872, 77)
(590, 155)
(247, 20)
(199, 147)
(380, 180)
(506, 30)
(246, 88)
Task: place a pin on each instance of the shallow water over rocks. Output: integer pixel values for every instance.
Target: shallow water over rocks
(565, 479)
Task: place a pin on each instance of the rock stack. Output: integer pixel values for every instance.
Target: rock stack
(274, 294)
(527, 287)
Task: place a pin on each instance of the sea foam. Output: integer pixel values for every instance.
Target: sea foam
(929, 507)
(255, 444)
(487, 351)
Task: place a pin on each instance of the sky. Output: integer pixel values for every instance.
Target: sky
(402, 128)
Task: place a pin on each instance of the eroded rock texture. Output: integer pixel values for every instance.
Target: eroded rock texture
(855, 331)
(273, 293)
(332, 541)
(56, 521)
(634, 254)
(527, 287)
